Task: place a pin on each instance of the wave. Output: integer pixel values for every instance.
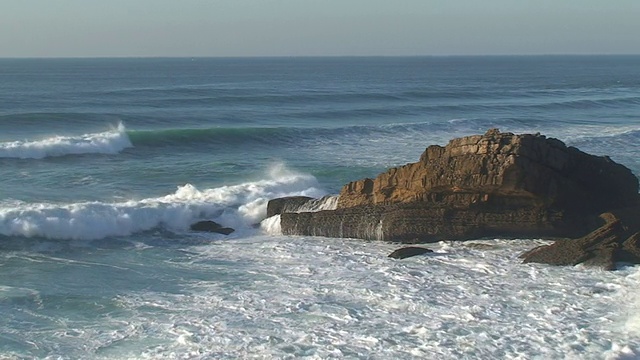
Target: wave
(215, 95)
(596, 103)
(272, 135)
(108, 142)
(238, 206)
(239, 139)
(415, 133)
(226, 136)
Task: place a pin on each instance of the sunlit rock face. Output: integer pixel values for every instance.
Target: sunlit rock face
(496, 184)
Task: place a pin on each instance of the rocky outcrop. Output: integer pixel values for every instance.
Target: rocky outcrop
(211, 226)
(529, 168)
(616, 241)
(496, 184)
(423, 222)
(409, 251)
(286, 204)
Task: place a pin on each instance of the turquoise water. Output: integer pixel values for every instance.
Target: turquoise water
(106, 162)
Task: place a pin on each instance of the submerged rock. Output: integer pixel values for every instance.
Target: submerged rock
(211, 226)
(496, 184)
(409, 251)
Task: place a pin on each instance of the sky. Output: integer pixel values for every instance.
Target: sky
(132, 28)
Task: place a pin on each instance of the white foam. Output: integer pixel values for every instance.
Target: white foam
(108, 142)
(322, 298)
(271, 225)
(238, 206)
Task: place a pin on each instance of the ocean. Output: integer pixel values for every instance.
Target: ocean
(106, 162)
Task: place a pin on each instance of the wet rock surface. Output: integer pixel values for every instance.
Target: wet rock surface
(286, 204)
(409, 251)
(211, 226)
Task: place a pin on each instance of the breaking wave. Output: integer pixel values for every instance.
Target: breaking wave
(239, 206)
(108, 142)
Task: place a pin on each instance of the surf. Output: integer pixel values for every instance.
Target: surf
(241, 206)
(111, 141)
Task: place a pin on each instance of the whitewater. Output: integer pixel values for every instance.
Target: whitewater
(240, 206)
(109, 142)
(331, 298)
(105, 164)
(258, 294)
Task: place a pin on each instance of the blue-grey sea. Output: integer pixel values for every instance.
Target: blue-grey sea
(104, 164)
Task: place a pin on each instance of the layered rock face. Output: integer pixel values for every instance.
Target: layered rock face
(496, 184)
(475, 169)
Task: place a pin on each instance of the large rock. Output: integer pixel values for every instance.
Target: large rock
(616, 241)
(531, 168)
(496, 184)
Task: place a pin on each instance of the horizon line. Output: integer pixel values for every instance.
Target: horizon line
(312, 56)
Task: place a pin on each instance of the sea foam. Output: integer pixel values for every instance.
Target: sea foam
(238, 206)
(323, 298)
(109, 142)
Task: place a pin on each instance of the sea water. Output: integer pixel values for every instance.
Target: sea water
(106, 162)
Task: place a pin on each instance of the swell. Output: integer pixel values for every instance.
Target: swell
(268, 136)
(190, 96)
(293, 136)
(596, 103)
(504, 105)
(425, 97)
(192, 136)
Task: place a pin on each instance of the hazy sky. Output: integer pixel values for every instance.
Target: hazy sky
(71, 28)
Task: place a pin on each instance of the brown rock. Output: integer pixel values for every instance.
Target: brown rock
(496, 184)
(477, 168)
(617, 240)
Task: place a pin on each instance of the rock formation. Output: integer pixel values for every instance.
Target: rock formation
(616, 241)
(491, 185)
(409, 251)
(286, 204)
(297, 204)
(211, 226)
(526, 168)
(496, 184)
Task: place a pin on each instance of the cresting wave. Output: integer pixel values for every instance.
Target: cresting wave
(108, 142)
(238, 206)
